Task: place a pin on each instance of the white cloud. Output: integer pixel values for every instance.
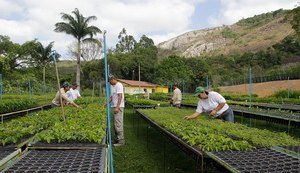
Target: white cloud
(21, 31)
(233, 10)
(29, 19)
(24, 20)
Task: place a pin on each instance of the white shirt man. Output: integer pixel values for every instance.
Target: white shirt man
(177, 97)
(73, 93)
(214, 103)
(210, 103)
(117, 89)
(117, 102)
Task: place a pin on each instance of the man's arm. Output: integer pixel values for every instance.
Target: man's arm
(219, 107)
(74, 104)
(118, 103)
(64, 96)
(110, 99)
(194, 115)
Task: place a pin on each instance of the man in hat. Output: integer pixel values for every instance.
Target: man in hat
(214, 103)
(117, 100)
(63, 91)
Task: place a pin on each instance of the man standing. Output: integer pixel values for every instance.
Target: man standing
(177, 96)
(146, 94)
(214, 103)
(117, 102)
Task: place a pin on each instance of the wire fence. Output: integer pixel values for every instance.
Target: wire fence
(26, 87)
(260, 79)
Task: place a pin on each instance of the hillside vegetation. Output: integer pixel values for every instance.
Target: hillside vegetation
(251, 34)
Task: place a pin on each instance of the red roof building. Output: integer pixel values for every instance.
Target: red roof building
(136, 87)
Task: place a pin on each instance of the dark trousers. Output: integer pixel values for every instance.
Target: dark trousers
(227, 115)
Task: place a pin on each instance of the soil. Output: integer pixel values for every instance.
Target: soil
(263, 89)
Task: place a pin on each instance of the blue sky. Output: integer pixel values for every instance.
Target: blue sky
(202, 12)
(161, 20)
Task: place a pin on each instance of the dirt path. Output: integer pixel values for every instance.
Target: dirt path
(263, 89)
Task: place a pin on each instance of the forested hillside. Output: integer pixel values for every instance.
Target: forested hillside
(251, 34)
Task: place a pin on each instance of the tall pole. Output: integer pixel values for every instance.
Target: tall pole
(58, 86)
(207, 82)
(108, 105)
(139, 78)
(289, 87)
(29, 89)
(1, 86)
(250, 84)
(133, 74)
(93, 92)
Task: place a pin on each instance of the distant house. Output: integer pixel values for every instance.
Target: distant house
(136, 87)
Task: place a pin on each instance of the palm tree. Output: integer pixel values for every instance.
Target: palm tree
(78, 27)
(41, 56)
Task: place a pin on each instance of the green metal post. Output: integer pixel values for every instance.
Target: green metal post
(289, 87)
(207, 82)
(250, 86)
(29, 89)
(107, 90)
(1, 86)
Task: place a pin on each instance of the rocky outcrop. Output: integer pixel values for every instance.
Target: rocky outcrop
(195, 43)
(226, 40)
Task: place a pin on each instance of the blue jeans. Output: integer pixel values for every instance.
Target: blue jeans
(227, 115)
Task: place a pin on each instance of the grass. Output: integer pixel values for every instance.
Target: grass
(147, 151)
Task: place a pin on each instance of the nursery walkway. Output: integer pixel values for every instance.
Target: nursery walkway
(135, 157)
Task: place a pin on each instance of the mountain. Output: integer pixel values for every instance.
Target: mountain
(251, 34)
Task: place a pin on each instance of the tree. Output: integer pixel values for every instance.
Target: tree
(200, 70)
(173, 69)
(145, 56)
(126, 42)
(41, 56)
(13, 55)
(89, 51)
(78, 27)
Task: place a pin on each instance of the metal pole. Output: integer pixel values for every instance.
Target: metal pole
(250, 83)
(93, 92)
(108, 105)
(29, 89)
(1, 86)
(139, 78)
(207, 84)
(289, 87)
(133, 74)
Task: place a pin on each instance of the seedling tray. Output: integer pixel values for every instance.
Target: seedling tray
(5, 152)
(67, 145)
(295, 149)
(16, 114)
(71, 160)
(260, 160)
